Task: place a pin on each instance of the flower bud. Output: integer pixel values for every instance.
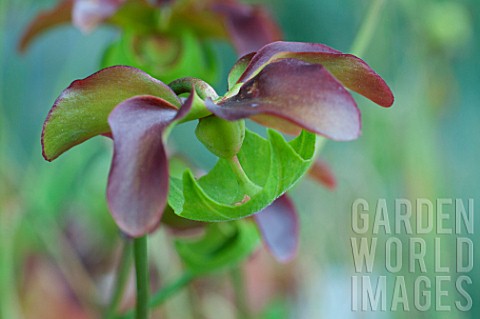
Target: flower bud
(221, 137)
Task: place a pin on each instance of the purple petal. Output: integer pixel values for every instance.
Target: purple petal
(268, 52)
(87, 14)
(138, 181)
(250, 27)
(351, 71)
(60, 14)
(278, 224)
(304, 94)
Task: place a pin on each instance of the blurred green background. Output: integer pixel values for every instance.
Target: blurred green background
(425, 146)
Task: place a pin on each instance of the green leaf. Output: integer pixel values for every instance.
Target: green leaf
(223, 245)
(273, 164)
(81, 110)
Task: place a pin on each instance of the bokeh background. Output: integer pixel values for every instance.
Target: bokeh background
(55, 230)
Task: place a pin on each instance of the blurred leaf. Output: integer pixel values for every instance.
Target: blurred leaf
(448, 24)
(322, 173)
(87, 14)
(177, 223)
(47, 19)
(273, 164)
(81, 110)
(164, 57)
(249, 27)
(223, 245)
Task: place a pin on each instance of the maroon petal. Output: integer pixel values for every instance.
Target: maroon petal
(278, 224)
(353, 72)
(62, 13)
(321, 172)
(304, 94)
(87, 14)
(138, 181)
(268, 52)
(250, 27)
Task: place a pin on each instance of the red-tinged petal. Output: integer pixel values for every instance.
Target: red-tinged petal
(87, 14)
(62, 13)
(268, 52)
(81, 111)
(278, 224)
(138, 181)
(351, 71)
(250, 27)
(304, 94)
(322, 173)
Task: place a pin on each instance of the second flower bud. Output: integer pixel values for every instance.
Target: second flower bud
(221, 137)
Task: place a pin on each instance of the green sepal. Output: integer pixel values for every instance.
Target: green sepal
(237, 70)
(222, 246)
(273, 164)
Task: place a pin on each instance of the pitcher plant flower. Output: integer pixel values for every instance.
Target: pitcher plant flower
(298, 88)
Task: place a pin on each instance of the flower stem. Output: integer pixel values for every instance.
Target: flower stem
(166, 292)
(367, 29)
(141, 269)
(121, 278)
(170, 290)
(240, 295)
(249, 187)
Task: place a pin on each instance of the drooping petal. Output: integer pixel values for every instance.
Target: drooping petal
(321, 172)
(60, 14)
(350, 70)
(250, 27)
(279, 226)
(87, 14)
(268, 52)
(304, 94)
(138, 181)
(81, 111)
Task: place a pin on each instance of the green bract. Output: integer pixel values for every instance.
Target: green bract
(223, 245)
(273, 164)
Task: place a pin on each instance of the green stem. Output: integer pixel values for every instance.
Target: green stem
(240, 295)
(166, 292)
(9, 221)
(249, 187)
(170, 290)
(367, 29)
(121, 278)
(141, 269)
